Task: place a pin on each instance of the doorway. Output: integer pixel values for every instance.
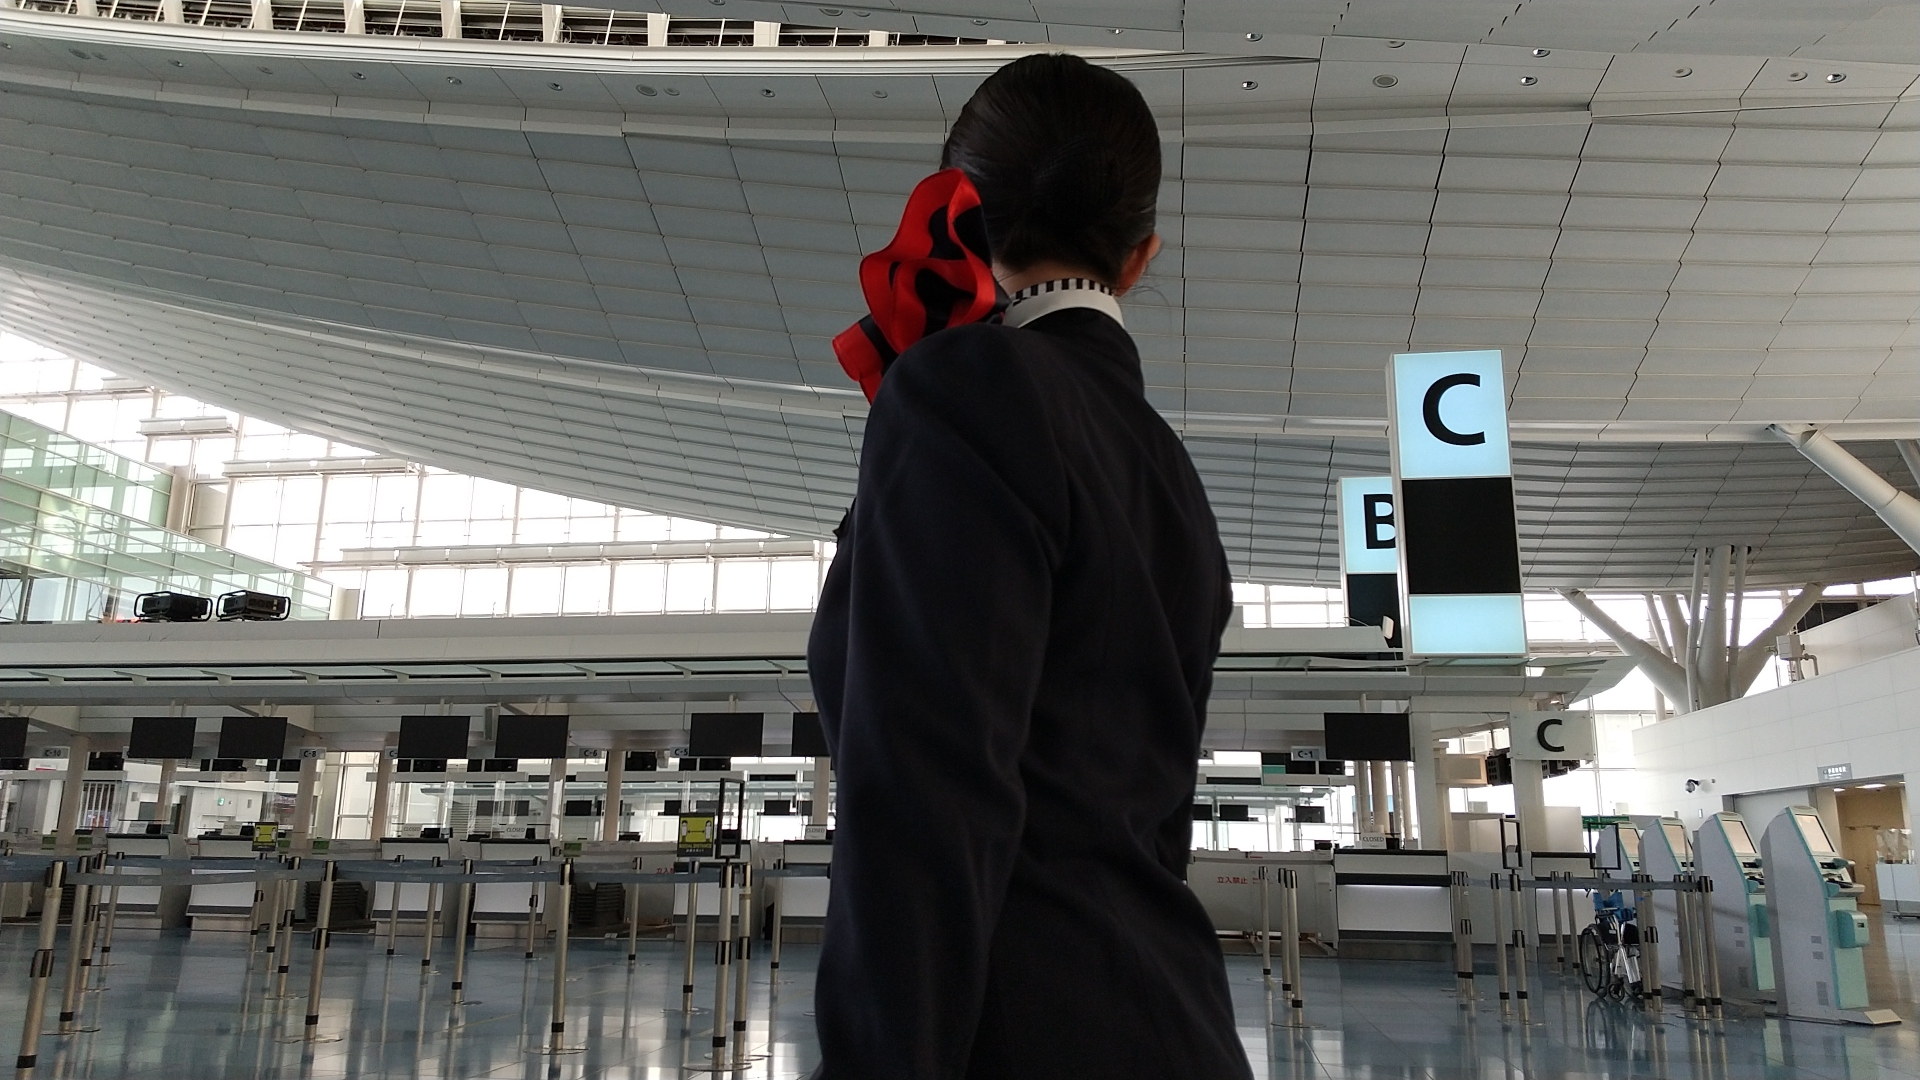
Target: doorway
(1873, 829)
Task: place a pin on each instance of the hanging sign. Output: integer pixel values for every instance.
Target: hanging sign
(1552, 736)
(1458, 544)
(1370, 555)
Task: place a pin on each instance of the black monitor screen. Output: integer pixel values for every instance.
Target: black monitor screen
(724, 735)
(13, 736)
(809, 738)
(433, 737)
(161, 737)
(643, 761)
(251, 737)
(1369, 737)
(531, 736)
(1234, 812)
(578, 808)
(1310, 815)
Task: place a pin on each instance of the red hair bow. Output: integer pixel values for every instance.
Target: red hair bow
(936, 273)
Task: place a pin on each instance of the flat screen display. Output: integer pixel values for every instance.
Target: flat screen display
(1310, 815)
(13, 736)
(724, 734)
(252, 737)
(162, 737)
(1814, 833)
(1677, 840)
(809, 738)
(531, 736)
(1738, 837)
(1368, 737)
(440, 737)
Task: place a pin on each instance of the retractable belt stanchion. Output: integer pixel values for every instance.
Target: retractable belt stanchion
(1690, 997)
(40, 969)
(433, 909)
(1459, 894)
(76, 942)
(1650, 982)
(722, 943)
(1500, 945)
(1712, 954)
(1290, 919)
(393, 912)
(319, 951)
(92, 865)
(533, 913)
(743, 956)
(693, 932)
(556, 1030)
(779, 906)
(1266, 929)
(253, 929)
(633, 917)
(113, 917)
(284, 918)
(1520, 900)
(1559, 928)
(460, 936)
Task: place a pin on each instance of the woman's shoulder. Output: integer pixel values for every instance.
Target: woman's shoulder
(963, 361)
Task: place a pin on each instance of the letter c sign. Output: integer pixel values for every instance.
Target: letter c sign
(1430, 410)
(1448, 416)
(1543, 735)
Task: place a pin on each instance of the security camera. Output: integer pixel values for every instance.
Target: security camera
(1695, 785)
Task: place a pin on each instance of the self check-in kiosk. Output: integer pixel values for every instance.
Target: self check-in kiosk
(1666, 854)
(1725, 854)
(1819, 934)
(1617, 856)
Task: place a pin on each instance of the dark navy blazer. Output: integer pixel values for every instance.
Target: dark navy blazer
(1012, 657)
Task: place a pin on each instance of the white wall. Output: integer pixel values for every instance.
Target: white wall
(1868, 634)
(1867, 716)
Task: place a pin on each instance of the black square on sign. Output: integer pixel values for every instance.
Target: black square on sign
(1458, 536)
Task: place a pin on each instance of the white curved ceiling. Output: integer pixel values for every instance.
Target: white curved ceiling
(542, 263)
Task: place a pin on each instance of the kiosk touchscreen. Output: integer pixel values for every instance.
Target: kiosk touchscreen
(1818, 932)
(1725, 854)
(1665, 855)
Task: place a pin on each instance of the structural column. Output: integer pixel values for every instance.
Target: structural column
(610, 816)
(1430, 795)
(382, 791)
(72, 790)
(1530, 805)
(163, 795)
(1403, 801)
(1362, 800)
(1383, 816)
(303, 800)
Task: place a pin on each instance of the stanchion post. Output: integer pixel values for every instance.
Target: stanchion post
(722, 944)
(1651, 984)
(556, 1031)
(743, 956)
(1458, 895)
(1266, 928)
(1690, 1003)
(283, 920)
(1559, 928)
(779, 891)
(1290, 919)
(92, 865)
(460, 935)
(533, 912)
(1520, 898)
(253, 927)
(1500, 943)
(319, 950)
(393, 912)
(40, 969)
(76, 937)
(693, 932)
(433, 909)
(113, 915)
(633, 916)
(1710, 949)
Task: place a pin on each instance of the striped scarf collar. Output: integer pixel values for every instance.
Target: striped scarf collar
(1047, 297)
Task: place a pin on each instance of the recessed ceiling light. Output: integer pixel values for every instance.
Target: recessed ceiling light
(359, 74)
(453, 80)
(830, 12)
(645, 90)
(1681, 73)
(553, 86)
(78, 53)
(1871, 787)
(1836, 77)
(1395, 44)
(1384, 81)
(264, 70)
(979, 22)
(1543, 52)
(765, 92)
(1256, 36)
(178, 63)
(1116, 30)
(671, 92)
(879, 93)
(1249, 85)
(1796, 76)
(1529, 80)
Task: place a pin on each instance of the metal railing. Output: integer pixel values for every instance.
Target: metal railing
(486, 20)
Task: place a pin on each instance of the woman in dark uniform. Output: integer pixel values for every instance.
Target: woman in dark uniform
(1015, 642)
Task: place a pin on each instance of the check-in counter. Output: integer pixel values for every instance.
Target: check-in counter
(506, 902)
(227, 906)
(803, 900)
(709, 893)
(1227, 884)
(1393, 904)
(1899, 885)
(142, 907)
(413, 896)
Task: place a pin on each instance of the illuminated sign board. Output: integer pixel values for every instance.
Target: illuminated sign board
(1369, 554)
(1457, 541)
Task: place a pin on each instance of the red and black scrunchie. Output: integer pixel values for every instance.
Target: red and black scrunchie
(936, 273)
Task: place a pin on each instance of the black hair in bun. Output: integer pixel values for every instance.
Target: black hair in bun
(1066, 158)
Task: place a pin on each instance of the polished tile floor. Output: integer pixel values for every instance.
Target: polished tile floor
(180, 1006)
